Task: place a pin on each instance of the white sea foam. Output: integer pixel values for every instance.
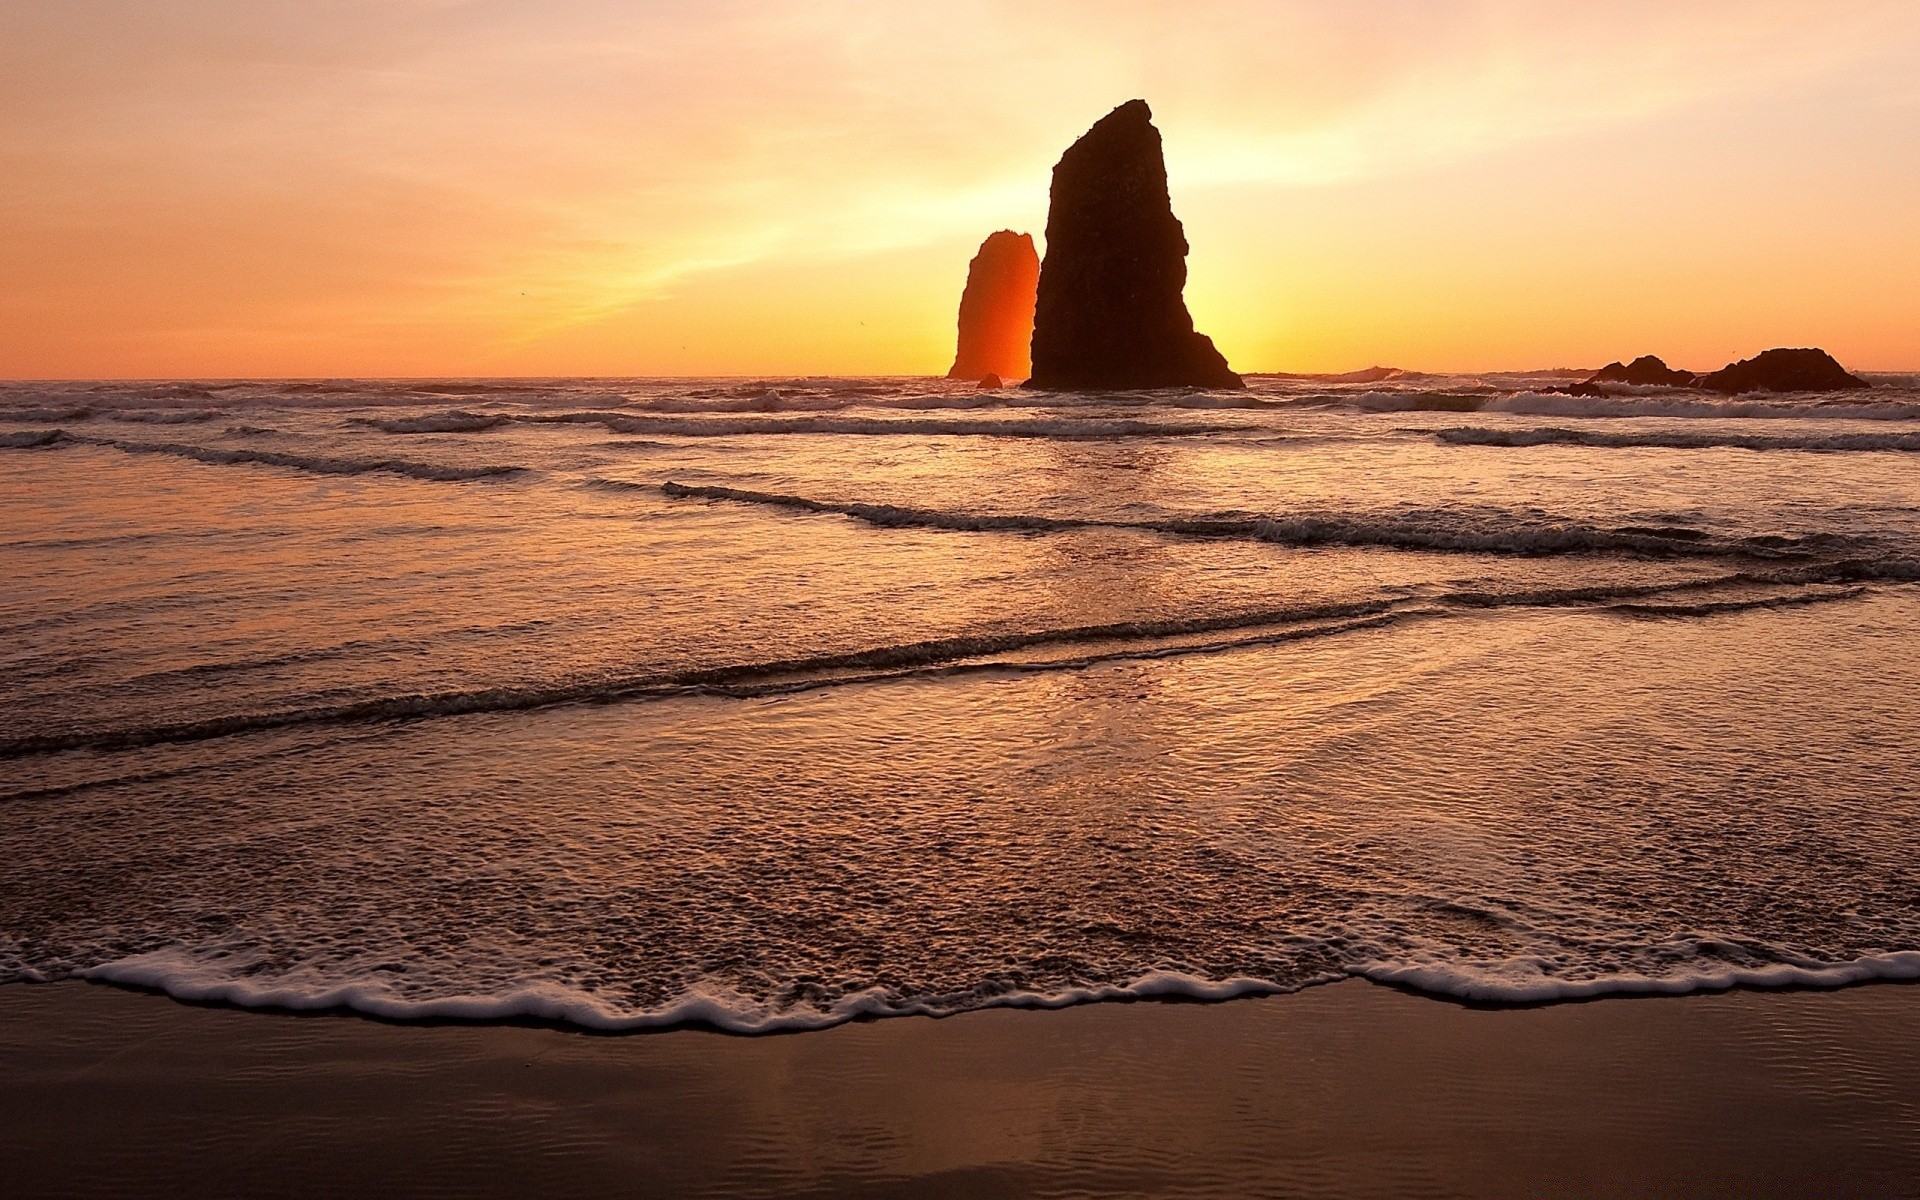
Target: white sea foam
(698, 419)
(1525, 980)
(185, 976)
(227, 456)
(1626, 402)
(1682, 439)
(1064, 428)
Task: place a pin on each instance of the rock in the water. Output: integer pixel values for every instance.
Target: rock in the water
(1644, 371)
(1111, 314)
(996, 309)
(992, 381)
(1784, 371)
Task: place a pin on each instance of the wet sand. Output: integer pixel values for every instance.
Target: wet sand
(1349, 1090)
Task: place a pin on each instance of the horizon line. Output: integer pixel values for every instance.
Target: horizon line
(7, 380)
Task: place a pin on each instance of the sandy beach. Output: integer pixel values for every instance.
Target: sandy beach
(1350, 1090)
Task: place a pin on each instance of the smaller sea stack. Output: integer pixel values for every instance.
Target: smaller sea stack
(1784, 371)
(1645, 371)
(1111, 315)
(996, 310)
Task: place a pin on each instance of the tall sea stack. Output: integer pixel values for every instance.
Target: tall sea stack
(996, 310)
(1110, 314)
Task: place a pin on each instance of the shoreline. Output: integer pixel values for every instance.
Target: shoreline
(1346, 1089)
(1893, 969)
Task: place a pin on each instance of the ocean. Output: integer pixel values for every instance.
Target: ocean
(767, 704)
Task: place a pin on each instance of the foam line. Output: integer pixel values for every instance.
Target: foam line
(1682, 440)
(220, 456)
(1431, 532)
(180, 974)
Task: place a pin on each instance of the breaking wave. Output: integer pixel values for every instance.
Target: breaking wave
(31, 439)
(165, 416)
(312, 464)
(960, 654)
(741, 679)
(444, 422)
(1712, 608)
(1063, 428)
(217, 978)
(1651, 402)
(49, 416)
(1442, 531)
(1681, 440)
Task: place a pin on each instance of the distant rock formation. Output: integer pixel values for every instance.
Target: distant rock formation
(1111, 314)
(990, 382)
(1645, 371)
(1770, 371)
(996, 309)
(1784, 371)
(1364, 375)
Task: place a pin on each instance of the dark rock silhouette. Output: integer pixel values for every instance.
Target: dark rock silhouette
(1644, 371)
(996, 309)
(991, 381)
(1784, 371)
(1111, 314)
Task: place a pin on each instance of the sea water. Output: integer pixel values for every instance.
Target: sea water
(769, 703)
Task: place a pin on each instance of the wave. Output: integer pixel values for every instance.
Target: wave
(88, 412)
(740, 679)
(960, 654)
(180, 973)
(1522, 983)
(1063, 428)
(221, 456)
(164, 416)
(769, 400)
(472, 388)
(1663, 403)
(48, 415)
(1440, 531)
(1649, 402)
(1680, 440)
(32, 439)
(1714, 608)
(456, 421)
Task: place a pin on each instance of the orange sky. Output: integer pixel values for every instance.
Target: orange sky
(215, 188)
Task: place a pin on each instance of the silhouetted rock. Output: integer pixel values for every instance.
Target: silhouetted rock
(996, 309)
(1111, 314)
(1645, 371)
(993, 381)
(1784, 371)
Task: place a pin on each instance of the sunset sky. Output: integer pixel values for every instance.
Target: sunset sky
(218, 188)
